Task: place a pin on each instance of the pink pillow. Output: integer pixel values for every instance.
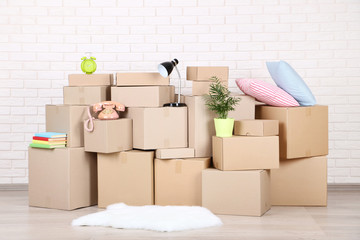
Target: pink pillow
(266, 92)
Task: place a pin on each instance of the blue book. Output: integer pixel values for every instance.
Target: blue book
(50, 135)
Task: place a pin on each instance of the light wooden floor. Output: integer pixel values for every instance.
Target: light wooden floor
(340, 220)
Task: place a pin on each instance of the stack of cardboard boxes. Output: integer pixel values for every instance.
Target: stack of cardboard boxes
(162, 155)
(240, 184)
(67, 178)
(301, 179)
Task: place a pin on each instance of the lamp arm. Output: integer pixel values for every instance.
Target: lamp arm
(177, 70)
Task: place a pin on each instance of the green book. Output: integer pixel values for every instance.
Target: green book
(38, 145)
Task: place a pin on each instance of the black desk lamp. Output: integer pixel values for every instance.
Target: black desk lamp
(165, 70)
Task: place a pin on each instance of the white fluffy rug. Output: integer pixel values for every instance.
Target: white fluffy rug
(157, 218)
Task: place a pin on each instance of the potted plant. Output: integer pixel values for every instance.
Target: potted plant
(220, 102)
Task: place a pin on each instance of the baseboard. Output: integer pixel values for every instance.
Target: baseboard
(14, 187)
(331, 187)
(342, 187)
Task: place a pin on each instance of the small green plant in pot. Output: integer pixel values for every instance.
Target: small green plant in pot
(220, 102)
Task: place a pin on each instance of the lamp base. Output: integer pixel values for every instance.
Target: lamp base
(174, 104)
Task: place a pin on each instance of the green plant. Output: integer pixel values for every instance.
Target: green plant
(219, 100)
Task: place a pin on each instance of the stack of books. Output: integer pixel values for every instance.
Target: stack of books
(49, 140)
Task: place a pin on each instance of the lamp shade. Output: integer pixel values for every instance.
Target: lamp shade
(166, 68)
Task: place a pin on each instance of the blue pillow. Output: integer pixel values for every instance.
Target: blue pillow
(289, 80)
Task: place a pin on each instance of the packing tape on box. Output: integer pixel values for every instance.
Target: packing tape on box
(166, 143)
(178, 166)
(123, 157)
(166, 111)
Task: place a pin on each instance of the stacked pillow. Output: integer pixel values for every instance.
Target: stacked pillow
(292, 91)
(266, 93)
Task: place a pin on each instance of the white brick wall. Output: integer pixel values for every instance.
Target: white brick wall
(41, 41)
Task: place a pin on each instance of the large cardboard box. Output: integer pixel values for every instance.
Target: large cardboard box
(86, 95)
(94, 79)
(126, 177)
(178, 181)
(146, 96)
(63, 178)
(200, 88)
(256, 127)
(245, 109)
(201, 121)
(164, 127)
(109, 136)
(141, 79)
(205, 73)
(236, 192)
(169, 153)
(201, 126)
(246, 152)
(67, 119)
(303, 131)
(300, 182)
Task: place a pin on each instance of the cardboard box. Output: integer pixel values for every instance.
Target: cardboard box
(141, 79)
(86, 95)
(63, 178)
(245, 109)
(246, 153)
(126, 177)
(169, 153)
(67, 119)
(201, 126)
(303, 131)
(256, 128)
(147, 96)
(244, 193)
(154, 128)
(94, 79)
(300, 182)
(202, 88)
(205, 73)
(109, 136)
(178, 181)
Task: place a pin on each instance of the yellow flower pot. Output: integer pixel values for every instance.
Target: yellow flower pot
(224, 127)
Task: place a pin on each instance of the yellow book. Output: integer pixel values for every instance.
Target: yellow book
(49, 143)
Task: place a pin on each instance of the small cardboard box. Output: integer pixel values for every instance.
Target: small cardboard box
(178, 181)
(67, 119)
(63, 178)
(169, 153)
(201, 125)
(164, 127)
(303, 131)
(256, 128)
(244, 193)
(245, 109)
(86, 95)
(141, 79)
(109, 136)
(126, 177)
(146, 96)
(300, 182)
(94, 79)
(201, 121)
(203, 87)
(246, 153)
(205, 73)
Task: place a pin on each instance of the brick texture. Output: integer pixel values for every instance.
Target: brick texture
(41, 42)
